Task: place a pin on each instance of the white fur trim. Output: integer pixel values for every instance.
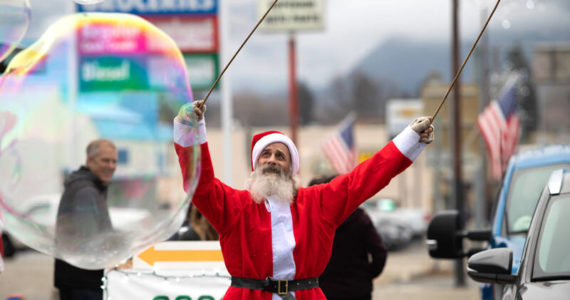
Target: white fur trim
(408, 142)
(282, 240)
(276, 138)
(185, 135)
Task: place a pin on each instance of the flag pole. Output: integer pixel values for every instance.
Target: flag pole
(465, 61)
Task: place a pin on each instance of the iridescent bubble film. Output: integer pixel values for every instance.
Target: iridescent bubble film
(87, 2)
(91, 76)
(14, 22)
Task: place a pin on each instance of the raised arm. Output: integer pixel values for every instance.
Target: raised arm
(346, 192)
(212, 197)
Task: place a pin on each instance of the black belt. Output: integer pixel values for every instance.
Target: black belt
(281, 287)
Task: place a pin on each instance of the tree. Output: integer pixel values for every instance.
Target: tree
(368, 102)
(335, 102)
(306, 103)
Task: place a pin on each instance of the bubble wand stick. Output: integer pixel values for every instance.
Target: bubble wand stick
(238, 50)
(465, 61)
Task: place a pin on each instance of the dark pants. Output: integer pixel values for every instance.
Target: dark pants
(80, 294)
(351, 298)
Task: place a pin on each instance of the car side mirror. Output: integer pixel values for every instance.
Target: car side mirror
(492, 266)
(444, 239)
(482, 235)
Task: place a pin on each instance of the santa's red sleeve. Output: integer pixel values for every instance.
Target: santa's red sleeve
(345, 193)
(215, 200)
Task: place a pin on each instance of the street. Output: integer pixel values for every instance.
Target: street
(409, 274)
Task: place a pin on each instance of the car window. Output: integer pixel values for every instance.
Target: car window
(524, 191)
(553, 247)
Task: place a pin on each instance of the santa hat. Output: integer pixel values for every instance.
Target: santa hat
(261, 140)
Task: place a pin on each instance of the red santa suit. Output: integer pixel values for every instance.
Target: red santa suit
(280, 240)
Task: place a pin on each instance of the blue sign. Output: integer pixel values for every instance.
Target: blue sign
(153, 7)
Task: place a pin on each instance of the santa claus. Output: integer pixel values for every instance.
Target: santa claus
(276, 237)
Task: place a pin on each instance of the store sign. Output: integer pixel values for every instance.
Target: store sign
(400, 113)
(203, 69)
(151, 7)
(292, 15)
(108, 73)
(191, 34)
(133, 59)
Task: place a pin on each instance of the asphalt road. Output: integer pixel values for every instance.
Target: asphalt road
(409, 274)
(412, 274)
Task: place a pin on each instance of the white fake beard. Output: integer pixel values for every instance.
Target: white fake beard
(264, 183)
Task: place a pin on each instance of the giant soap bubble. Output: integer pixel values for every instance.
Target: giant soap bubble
(90, 76)
(14, 22)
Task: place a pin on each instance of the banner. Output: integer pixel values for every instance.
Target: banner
(174, 270)
(133, 284)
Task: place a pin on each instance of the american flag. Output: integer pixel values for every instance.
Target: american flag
(500, 126)
(339, 147)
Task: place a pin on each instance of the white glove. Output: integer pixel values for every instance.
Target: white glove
(424, 128)
(190, 112)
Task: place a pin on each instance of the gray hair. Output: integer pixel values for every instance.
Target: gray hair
(93, 147)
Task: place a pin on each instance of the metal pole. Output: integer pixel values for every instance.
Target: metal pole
(481, 186)
(456, 136)
(227, 102)
(293, 101)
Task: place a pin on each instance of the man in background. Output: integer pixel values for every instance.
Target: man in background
(82, 214)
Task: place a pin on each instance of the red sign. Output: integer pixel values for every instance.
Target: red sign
(192, 34)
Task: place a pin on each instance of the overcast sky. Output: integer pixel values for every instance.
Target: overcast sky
(353, 28)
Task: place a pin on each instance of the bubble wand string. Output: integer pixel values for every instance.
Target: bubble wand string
(238, 50)
(465, 61)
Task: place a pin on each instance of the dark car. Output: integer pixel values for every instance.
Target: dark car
(544, 271)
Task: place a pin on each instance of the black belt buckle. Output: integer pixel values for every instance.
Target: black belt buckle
(282, 283)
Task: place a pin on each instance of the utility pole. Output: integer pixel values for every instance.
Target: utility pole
(293, 101)
(455, 118)
(481, 182)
